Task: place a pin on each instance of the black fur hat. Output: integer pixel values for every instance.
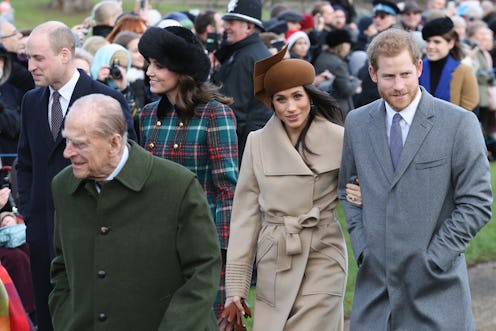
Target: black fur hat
(337, 37)
(437, 27)
(177, 49)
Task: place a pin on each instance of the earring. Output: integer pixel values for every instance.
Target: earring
(313, 108)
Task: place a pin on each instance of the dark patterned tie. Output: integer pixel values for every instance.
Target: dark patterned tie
(395, 140)
(57, 115)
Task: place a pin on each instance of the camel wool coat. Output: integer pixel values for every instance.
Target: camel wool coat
(284, 213)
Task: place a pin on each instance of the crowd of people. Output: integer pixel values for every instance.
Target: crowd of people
(167, 163)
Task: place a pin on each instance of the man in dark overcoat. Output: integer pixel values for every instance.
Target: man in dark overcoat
(242, 48)
(51, 48)
(136, 245)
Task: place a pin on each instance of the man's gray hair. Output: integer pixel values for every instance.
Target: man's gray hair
(110, 118)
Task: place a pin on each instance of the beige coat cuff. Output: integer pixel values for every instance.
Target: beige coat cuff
(238, 279)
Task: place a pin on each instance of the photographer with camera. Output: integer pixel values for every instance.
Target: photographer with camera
(110, 65)
(209, 30)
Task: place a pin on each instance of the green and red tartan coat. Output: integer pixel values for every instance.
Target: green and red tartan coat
(207, 146)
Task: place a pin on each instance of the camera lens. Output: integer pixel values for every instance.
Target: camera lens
(115, 72)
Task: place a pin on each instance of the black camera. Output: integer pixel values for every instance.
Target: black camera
(213, 41)
(115, 72)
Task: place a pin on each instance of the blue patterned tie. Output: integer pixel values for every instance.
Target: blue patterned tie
(57, 115)
(395, 140)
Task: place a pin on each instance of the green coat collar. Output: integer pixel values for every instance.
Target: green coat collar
(128, 177)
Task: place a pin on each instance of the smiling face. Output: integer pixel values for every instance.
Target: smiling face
(292, 107)
(437, 48)
(237, 30)
(162, 80)
(397, 79)
(92, 155)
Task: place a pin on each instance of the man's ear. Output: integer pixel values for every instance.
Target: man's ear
(373, 74)
(66, 55)
(116, 143)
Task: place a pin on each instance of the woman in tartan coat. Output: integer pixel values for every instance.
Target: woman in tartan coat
(192, 123)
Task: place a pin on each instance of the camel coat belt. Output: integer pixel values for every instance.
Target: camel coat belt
(289, 241)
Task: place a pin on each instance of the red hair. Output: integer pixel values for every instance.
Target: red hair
(127, 23)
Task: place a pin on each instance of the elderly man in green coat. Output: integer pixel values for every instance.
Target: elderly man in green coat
(136, 246)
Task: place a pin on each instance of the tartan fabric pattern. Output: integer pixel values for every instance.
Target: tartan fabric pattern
(207, 146)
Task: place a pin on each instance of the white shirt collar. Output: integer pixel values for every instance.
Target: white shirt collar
(122, 162)
(407, 114)
(66, 90)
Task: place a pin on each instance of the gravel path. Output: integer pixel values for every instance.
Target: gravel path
(483, 287)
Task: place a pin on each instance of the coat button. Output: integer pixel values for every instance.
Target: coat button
(176, 146)
(151, 145)
(159, 123)
(181, 124)
(104, 230)
(101, 274)
(102, 317)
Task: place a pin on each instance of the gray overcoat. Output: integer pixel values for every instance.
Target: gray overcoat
(416, 222)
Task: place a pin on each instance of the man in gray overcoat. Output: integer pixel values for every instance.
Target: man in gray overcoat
(425, 183)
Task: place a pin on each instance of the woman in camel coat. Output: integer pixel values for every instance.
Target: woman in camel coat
(284, 206)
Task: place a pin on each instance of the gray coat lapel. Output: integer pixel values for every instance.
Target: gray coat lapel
(378, 138)
(421, 125)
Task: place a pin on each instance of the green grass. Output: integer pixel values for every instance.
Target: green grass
(483, 247)
(30, 13)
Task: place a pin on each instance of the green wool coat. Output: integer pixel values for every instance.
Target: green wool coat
(141, 255)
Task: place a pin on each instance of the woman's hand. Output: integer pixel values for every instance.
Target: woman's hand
(230, 318)
(353, 193)
(237, 301)
(103, 73)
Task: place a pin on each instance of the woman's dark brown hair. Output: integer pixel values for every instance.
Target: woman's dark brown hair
(191, 93)
(321, 104)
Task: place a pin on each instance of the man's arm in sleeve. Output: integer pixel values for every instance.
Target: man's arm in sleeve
(471, 180)
(24, 163)
(353, 213)
(199, 253)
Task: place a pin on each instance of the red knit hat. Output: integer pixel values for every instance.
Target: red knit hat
(307, 22)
